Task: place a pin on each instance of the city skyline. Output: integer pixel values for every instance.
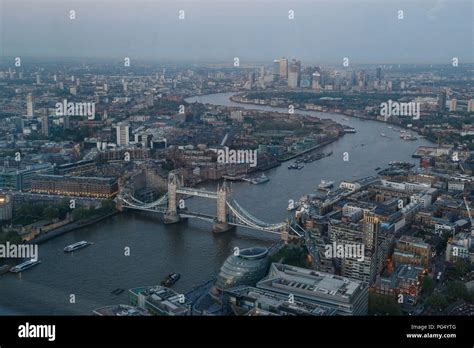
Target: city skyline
(236, 159)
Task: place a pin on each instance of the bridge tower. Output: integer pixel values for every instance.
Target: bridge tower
(224, 193)
(118, 204)
(285, 232)
(171, 215)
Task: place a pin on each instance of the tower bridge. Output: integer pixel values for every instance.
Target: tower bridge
(229, 212)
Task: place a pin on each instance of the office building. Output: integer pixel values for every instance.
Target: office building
(460, 247)
(294, 74)
(366, 234)
(29, 106)
(305, 81)
(470, 105)
(20, 179)
(77, 168)
(346, 296)
(74, 186)
(379, 73)
(351, 234)
(453, 105)
(123, 136)
(283, 68)
(405, 280)
(413, 251)
(135, 153)
(316, 81)
(247, 300)
(442, 101)
(5, 207)
(160, 300)
(10, 179)
(370, 228)
(276, 68)
(45, 125)
(246, 268)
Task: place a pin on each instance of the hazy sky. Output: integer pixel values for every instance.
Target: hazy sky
(366, 31)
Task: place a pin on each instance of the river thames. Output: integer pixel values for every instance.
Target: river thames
(189, 248)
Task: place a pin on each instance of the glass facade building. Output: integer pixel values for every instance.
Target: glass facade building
(246, 268)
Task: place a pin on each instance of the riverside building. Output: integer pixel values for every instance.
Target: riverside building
(346, 296)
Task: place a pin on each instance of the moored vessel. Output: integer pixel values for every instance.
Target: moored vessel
(326, 184)
(24, 265)
(258, 180)
(171, 279)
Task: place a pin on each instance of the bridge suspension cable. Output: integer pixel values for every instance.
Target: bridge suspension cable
(141, 205)
(297, 233)
(239, 213)
(252, 221)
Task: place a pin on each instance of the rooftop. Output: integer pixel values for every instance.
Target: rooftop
(408, 272)
(279, 302)
(414, 241)
(121, 311)
(253, 253)
(75, 178)
(162, 299)
(302, 281)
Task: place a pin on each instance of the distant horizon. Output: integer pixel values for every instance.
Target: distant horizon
(321, 31)
(269, 61)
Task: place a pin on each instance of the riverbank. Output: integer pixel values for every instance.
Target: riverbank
(68, 228)
(318, 146)
(73, 226)
(234, 98)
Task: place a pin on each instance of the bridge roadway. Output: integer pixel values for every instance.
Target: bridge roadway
(190, 214)
(201, 216)
(228, 212)
(196, 192)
